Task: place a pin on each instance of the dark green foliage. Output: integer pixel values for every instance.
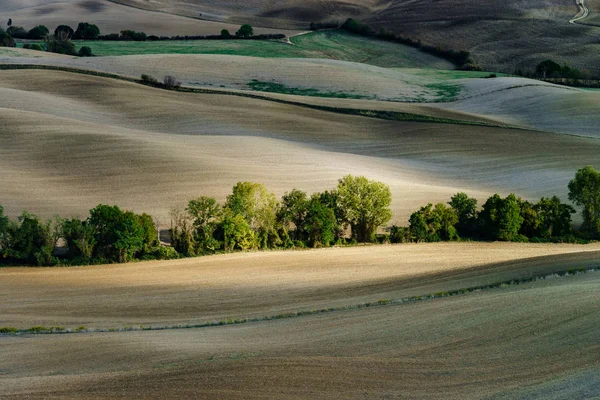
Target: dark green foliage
(500, 218)
(554, 218)
(33, 46)
(400, 234)
(30, 241)
(432, 224)
(18, 32)
(366, 205)
(331, 200)
(119, 235)
(39, 32)
(225, 34)
(4, 238)
(133, 35)
(86, 31)
(531, 222)
(320, 223)
(293, 210)
(64, 31)
(9, 23)
(551, 69)
(85, 51)
(149, 80)
(584, 191)
(182, 233)
(466, 210)
(245, 31)
(60, 46)
(6, 40)
(79, 237)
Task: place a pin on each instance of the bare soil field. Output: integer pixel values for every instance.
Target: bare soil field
(111, 18)
(517, 342)
(148, 149)
(254, 285)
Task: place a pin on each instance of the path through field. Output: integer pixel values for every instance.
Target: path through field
(583, 13)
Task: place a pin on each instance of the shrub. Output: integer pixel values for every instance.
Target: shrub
(400, 234)
(245, 31)
(60, 46)
(85, 51)
(33, 46)
(133, 35)
(8, 329)
(6, 40)
(170, 82)
(225, 34)
(166, 253)
(149, 80)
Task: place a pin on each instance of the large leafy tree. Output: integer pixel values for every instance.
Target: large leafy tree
(206, 214)
(237, 232)
(245, 31)
(554, 217)
(432, 224)
(584, 191)
(293, 210)
(79, 237)
(39, 32)
(320, 223)
(86, 31)
(466, 211)
(118, 234)
(501, 218)
(259, 208)
(366, 205)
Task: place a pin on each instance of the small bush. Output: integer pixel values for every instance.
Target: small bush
(170, 82)
(34, 46)
(225, 34)
(9, 329)
(81, 328)
(85, 51)
(166, 253)
(149, 80)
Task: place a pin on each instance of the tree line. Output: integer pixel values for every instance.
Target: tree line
(462, 59)
(254, 218)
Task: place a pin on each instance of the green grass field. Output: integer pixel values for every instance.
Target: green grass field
(334, 45)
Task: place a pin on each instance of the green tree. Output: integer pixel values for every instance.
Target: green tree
(85, 51)
(554, 217)
(18, 32)
(501, 218)
(320, 223)
(293, 210)
(225, 34)
(531, 221)
(39, 32)
(547, 69)
(237, 232)
(366, 205)
(584, 191)
(245, 31)
(29, 241)
(432, 224)
(64, 30)
(466, 210)
(259, 208)
(4, 224)
(79, 237)
(60, 45)
(182, 233)
(118, 235)
(206, 214)
(86, 31)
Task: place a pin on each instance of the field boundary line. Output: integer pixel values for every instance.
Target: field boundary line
(41, 330)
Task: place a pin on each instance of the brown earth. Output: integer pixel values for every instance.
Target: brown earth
(538, 340)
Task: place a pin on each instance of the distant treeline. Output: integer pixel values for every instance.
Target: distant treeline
(253, 218)
(462, 59)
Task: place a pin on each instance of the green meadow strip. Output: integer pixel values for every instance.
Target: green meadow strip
(36, 330)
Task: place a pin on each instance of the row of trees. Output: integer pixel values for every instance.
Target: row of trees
(510, 218)
(253, 218)
(84, 31)
(462, 59)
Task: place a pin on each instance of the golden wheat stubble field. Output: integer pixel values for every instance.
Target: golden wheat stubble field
(72, 141)
(526, 341)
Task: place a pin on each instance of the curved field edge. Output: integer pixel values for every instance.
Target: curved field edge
(371, 113)
(384, 302)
